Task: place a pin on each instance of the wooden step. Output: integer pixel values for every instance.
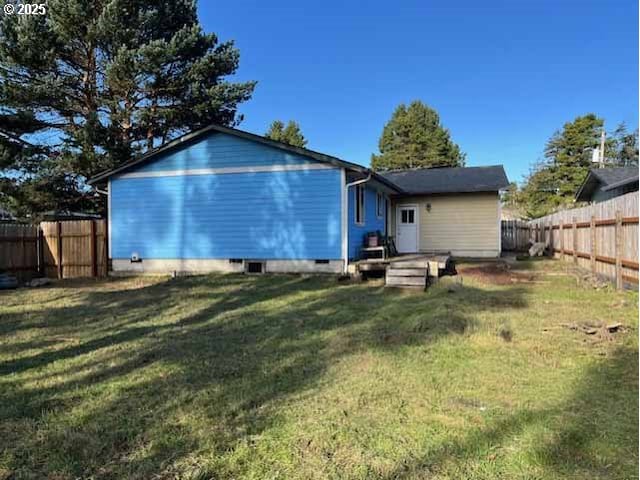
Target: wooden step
(393, 281)
(421, 263)
(407, 272)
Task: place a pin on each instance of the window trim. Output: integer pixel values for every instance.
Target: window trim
(358, 197)
(380, 205)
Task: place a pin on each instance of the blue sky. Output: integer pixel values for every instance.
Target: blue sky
(504, 75)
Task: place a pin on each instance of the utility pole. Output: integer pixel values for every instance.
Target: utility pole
(603, 135)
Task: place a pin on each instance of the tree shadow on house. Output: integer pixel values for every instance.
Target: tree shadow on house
(145, 379)
(592, 435)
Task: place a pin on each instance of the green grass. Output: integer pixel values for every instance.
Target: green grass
(302, 377)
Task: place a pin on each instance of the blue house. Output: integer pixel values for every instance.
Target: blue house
(221, 199)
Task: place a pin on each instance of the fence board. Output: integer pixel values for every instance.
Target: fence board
(19, 250)
(515, 235)
(593, 233)
(75, 248)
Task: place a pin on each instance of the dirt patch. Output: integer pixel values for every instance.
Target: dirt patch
(593, 333)
(495, 273)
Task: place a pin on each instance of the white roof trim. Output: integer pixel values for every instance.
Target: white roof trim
(227, 170)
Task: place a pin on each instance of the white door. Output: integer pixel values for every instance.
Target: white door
(407, 229)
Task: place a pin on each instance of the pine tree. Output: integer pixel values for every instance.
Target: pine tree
(414, 137)
(89, 85)
(291, 134)
(623, 147)
(567, 158)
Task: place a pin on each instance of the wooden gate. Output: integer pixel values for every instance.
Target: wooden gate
(74, 249)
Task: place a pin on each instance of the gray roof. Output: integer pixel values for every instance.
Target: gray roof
(449, 180)
(616, 177)
(606, 179)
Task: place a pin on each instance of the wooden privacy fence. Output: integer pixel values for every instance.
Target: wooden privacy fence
(20, 250)
(68, 249)
(515, 235)
(602, 237)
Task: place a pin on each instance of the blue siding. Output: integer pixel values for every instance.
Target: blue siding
(268, 215)
(371, 221)
(218, 150)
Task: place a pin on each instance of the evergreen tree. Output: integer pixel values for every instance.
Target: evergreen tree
(291, 134)
(415, 138)
(568, 153)
(89, 85)
(623, 146)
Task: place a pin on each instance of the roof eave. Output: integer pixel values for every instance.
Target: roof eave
(621, 183)
(453, 192)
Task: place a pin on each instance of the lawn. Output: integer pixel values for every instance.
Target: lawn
(294, 377)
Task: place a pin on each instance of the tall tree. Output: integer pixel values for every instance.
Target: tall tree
(291, 134)
(91, 84)
(414, 137)
(567, 158)
(623, 146)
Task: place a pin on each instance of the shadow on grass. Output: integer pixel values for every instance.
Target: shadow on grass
(586, 432)
(197, 365)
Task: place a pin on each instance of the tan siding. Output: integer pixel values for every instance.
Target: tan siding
(464, 224)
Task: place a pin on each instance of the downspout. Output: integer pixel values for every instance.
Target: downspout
(345, 221)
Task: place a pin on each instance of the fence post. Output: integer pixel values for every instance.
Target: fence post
(575, 240)
(94, 253)
(23, 246)
(592, 231)
(105, 247)
(619, 243)
(59, 242)
(40, 250)
(561, 240)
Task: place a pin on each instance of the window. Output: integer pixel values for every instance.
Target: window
(407, 216)
(359, 204)
(380, 205)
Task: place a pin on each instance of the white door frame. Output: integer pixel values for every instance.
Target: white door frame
(416, 208)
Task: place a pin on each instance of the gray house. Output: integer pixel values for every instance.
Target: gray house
(603, 184)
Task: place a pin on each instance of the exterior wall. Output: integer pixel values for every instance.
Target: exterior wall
(467, 225)
(218, 150)
(372, 222)
(197, 222)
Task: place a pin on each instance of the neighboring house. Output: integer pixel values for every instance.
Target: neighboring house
(5, 216)
(221, 199)
(454, 210)
(603, 184)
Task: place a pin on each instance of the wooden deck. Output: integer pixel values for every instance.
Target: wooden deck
(434, 262)
(406, 271)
